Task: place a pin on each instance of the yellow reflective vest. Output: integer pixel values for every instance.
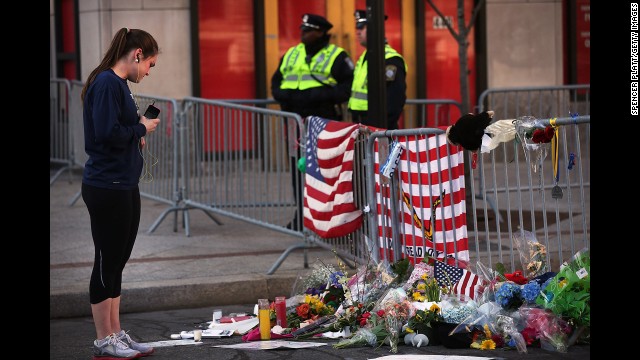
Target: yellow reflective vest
(296, 74)
(359, 88)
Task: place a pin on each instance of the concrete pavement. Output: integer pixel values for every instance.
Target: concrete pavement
(216, 265)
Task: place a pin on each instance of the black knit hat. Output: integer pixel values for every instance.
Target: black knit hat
(315, 22)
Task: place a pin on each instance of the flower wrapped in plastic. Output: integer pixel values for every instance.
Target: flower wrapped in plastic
(421, 270)
(532, 133)
(533, 255)
(397, 311)
(568, 293)
(369, 283)
(552, 331)
(373, 333)
(507, 326)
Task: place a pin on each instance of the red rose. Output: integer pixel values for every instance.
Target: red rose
(543, 135)
(529, 335)
(380, 313)
(303, 310)
(499, 340)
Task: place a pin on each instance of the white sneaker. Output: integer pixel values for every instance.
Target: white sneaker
(143, 349)
(113, 348)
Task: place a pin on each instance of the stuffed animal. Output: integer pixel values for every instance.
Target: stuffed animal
(469, 129)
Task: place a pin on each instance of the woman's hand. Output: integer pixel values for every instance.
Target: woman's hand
(150, 124)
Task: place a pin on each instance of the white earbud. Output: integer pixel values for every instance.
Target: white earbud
(137, 60)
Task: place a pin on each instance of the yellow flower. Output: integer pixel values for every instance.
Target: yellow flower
(562, 283)
(421, 286)
(423, 276)
(434, 307)
(475, 345)
(487, 332)
(488, 345)
(418, 297)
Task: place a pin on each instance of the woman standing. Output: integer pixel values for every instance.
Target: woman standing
(114, 133)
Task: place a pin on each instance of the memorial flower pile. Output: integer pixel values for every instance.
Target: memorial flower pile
(378, 307)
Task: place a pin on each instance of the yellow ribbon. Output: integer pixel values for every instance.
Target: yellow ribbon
(554, 149)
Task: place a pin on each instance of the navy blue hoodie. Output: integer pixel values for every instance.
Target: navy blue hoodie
(112, 134)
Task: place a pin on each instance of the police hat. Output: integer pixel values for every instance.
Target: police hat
(315, 22)
(361, 18)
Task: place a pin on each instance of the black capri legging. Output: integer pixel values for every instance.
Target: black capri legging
(115, 217)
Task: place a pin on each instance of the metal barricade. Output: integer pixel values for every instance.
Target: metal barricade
(523, 186)
(159, 180)
(236, 161)
(419, 214)
(418, 211)
(537, 101)
(60, 145)
(430, 112)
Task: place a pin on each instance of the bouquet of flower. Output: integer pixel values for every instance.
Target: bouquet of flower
(397, 310)
(425, 288)
(568, 293)
(421, 322)
(546, 326)
(369, 283)
(373, 333)
(325, 282)
(526, 126)
(309, 310)
(349, 319)
(509, 295)
(486, 340)
(533, 255)
(421, 270)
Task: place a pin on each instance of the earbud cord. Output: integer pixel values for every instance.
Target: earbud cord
(146, 175)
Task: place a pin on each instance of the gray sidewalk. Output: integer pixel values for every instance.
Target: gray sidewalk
(217, 265)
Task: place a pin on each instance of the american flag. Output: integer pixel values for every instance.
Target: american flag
(460, 281)
(329, 207)
(431, 200)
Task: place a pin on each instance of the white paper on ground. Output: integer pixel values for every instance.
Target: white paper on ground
(207, 333)
(272, 344)
(241, 327)
(163, 343)
(435, 357)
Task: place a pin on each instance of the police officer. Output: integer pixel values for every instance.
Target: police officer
(395, 73)
(313, 79)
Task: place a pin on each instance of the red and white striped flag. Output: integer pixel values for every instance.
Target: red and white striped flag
(432, 199)
(329, 206)
(460, 281)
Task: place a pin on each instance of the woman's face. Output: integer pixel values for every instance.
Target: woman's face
(141, 69)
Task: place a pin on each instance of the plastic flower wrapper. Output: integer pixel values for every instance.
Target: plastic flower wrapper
(568, 294)
(506, 325)
(421, 270)
(552, 331)
(533, 255)
(373, 333)
(455, 308)
(313, 282)
(487, 293)
(369, 283)
(397, 311)
(483, 316)
(526, 127)
(348, 319)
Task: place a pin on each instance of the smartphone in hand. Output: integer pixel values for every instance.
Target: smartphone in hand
(152, 112)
